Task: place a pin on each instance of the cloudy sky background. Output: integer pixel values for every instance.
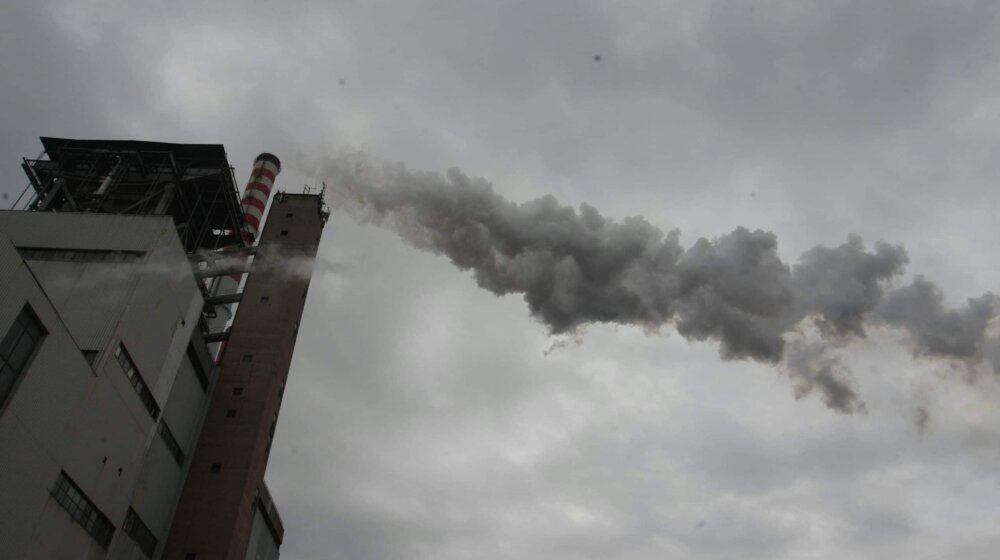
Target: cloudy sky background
(426, 418)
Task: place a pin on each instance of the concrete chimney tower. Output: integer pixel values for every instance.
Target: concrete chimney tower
(225, 488)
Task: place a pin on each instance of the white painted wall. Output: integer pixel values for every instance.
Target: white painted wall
(65, 415)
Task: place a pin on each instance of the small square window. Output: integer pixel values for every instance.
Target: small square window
(265, 299)
(216, 467)
(247, 357)
(237, 391)
(289, 215)
(284, 232)
(231, 413)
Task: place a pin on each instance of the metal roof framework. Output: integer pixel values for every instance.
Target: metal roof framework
(193, 183)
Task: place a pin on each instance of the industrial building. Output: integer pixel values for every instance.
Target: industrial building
(136, 412)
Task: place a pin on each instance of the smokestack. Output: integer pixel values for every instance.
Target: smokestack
(265, 168)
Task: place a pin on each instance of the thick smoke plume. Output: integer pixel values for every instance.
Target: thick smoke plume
(576, 267)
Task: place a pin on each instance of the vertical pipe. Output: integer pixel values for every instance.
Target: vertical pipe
(109, 178)
(165, 199)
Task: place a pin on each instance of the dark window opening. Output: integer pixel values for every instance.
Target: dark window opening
(284, 232)
(79, 255)
(216, 467)
(265, 299)
(17, 348)
(83, 511)
(141, 389)
(171, 441)
(289, 215)
(237, 391)
(231, 413)
(199, 368)
(140, 533)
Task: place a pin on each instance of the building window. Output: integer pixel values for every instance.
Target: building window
(82, 510)
(231, 413)
(141, 389)
(216, 467)
(237, 391)
(284, 232)
(199, 368)
(265, 299)
(171, 441)
(17, 348)
(135, 528)
(78, 255)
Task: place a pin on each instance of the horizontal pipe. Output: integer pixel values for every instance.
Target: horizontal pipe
(210, 272)
(216, 337)
(223, 299)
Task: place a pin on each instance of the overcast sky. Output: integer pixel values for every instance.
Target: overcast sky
(426, 418)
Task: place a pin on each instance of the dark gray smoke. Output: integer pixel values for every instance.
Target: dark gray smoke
(935, 330)
(813, 368)
(576, 267)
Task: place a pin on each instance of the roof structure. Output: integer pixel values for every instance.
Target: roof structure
(193, 183)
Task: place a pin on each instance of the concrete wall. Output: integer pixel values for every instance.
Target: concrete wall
(66, 415)
(216, 512)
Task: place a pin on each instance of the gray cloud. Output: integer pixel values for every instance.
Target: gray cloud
(415, 429)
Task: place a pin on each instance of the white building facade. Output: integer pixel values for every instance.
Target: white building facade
(104, 383)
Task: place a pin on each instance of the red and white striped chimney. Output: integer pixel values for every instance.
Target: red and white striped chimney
(265, 168)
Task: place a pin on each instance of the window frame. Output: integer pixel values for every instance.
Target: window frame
(140, 533)
(135, 379)
(26, 324)
(82, 510)
(79, 255)
(199, 368)
(171, 442)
